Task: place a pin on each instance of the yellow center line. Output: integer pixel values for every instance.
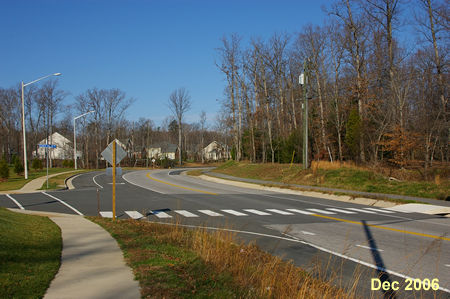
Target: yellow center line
(178, 186)
(384, 227)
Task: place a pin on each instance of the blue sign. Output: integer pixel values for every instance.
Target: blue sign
(47, 145)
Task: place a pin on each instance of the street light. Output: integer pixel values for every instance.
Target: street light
(75, 137)
(25, 162)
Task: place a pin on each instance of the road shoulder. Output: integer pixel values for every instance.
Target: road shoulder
(416, 207)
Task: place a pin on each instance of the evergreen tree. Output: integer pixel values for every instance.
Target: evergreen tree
(352, 135)
(4, 169)
(18, 167)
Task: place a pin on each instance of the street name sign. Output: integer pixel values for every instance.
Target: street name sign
(47, 145)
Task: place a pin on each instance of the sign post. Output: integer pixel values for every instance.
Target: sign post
(47, 146)
(114, 180)
(113, 155)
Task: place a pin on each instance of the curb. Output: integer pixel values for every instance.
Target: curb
(68, 184)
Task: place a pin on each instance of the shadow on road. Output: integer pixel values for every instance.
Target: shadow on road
(382, 274)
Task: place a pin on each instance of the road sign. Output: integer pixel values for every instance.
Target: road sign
(108, 155)
(47, 145)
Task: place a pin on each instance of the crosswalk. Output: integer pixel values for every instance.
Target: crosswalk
(167, 214)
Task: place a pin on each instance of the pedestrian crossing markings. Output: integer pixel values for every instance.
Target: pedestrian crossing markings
(247, 212)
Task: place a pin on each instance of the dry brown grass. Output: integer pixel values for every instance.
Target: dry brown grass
(327, 165)
(254, 273)
(264, 275)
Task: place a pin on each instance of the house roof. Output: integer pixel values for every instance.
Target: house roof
(165, 147)
(213, 145)
(55, 138)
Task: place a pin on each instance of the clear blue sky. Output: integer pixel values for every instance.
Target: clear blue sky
(145, 48)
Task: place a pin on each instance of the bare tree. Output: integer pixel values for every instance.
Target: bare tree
(230, 66)
(355, 27)
(50, 101)
(9, 121)
(434, 26)
(179, 103)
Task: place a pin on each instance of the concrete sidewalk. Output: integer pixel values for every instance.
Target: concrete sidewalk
(37, 183)
(34, 185)
(92, 264)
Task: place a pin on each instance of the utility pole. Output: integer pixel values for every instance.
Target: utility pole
(303, 80)
(75, 137)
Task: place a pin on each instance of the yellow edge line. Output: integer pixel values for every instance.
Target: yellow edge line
(321, 216)
(182, 187)
(384, 227)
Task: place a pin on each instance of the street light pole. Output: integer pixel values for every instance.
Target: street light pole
(25, 162)
(75, 137)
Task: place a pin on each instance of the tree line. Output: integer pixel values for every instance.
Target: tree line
(46, 112)
(373, 97)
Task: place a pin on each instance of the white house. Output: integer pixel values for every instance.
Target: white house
(63, 150)
(215, 152)
(160, 151)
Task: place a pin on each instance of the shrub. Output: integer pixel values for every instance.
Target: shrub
(68, 163)
(4, 169)
(36, 164)
(14, 158)
(18, 167)
(166, 163)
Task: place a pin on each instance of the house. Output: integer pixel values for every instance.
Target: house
(215, 152)
(163, 150)
(63, 150)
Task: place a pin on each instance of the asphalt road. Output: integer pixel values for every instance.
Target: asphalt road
(346, 242)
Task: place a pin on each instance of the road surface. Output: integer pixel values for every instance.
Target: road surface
(346, 242)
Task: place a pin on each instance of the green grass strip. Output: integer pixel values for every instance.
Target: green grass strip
(30, 254)
(165, 269)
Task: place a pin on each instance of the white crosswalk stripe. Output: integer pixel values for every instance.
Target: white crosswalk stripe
(210, 213)
(106, 214)
(134, 214)
(185, 213)
(321, 211)
(161, 214)
(300, 211)
(233, 212)
(341, 211)
(285, 212)
(279, 212)
(361, 210)
(380, 210)
(257, 212)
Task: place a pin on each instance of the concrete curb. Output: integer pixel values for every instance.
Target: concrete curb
(68, 181)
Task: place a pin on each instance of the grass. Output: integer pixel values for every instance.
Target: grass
(58, 182)
(16, 182)
(334, 175)
(30, 253)
(173, 262)
(195, 172)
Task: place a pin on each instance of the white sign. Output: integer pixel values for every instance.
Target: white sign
(107, 153)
